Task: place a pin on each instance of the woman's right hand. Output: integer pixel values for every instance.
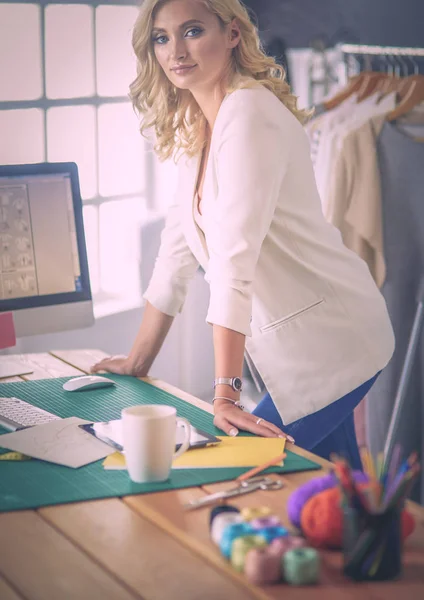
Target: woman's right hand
(150, 337)
(120, 365)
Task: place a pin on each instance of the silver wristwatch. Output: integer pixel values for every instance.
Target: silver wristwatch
(234, 382)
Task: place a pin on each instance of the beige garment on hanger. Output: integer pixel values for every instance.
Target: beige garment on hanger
(355, 197)
(354, 205)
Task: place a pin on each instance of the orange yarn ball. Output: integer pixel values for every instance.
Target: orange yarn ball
(322, 519)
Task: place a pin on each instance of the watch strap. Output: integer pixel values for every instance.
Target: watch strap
(223, 381)
(228, 381)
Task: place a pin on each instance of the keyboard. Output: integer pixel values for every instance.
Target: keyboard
(16, 414)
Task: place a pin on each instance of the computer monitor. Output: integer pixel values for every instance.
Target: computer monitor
(44, 276)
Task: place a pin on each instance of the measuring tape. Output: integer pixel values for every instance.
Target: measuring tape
(14, 456)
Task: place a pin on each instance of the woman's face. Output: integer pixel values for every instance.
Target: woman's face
(191, 45)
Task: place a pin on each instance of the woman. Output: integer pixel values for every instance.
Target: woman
(247, 210)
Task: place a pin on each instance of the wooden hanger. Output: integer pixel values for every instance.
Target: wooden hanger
(353, 86)
(410, 97)
(392, 84)
(407, 83)
(371, 84)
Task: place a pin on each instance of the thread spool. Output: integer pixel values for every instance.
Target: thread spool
(221, 522)
(230, 534)
(259, 512)
(289, 542)
(281, 545)
(242, 546)
(271, 533)
(218, 510)
(264, 522)
(263, 566)
(301, 566)
(297, 542)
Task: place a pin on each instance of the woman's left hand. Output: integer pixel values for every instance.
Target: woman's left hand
(231, 419)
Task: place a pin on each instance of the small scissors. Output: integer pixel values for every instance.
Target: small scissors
(245, 487)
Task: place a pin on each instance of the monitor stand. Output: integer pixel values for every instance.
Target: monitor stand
(12, 368)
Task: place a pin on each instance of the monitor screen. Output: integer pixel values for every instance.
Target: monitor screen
(43, 261)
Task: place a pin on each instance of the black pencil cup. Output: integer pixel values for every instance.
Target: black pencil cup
(372, 544)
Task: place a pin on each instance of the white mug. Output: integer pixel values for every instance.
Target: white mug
(149, 434)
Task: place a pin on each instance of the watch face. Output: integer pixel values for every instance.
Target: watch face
(237, 383)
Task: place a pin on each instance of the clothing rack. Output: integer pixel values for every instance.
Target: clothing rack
(354, 50)
(380, 50)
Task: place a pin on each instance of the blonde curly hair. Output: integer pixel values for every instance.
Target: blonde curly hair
(174, 114)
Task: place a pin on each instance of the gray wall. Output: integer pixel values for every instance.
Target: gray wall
(375, 22)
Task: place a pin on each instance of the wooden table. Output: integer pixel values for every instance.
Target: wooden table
(147, 547)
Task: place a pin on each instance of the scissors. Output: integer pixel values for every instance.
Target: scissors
(245, 487)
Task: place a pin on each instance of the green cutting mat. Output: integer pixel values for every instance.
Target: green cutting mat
(34, 483)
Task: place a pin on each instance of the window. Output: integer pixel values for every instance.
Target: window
(65, 70)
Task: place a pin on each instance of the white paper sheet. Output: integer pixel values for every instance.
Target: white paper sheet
(61, 442)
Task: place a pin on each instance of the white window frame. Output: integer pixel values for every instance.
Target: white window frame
(103, 303)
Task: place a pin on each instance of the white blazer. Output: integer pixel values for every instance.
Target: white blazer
(317, 327)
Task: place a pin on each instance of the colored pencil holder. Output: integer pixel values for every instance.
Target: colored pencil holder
(372, 544)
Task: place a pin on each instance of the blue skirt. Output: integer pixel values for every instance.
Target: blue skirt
(328, 430)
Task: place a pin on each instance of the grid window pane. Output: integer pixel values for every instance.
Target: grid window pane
(20, 52)
(69, 51)
(91, 221)
(71, 137)
(116, 65)
(21, 136)
(120, 223)
(121, 151)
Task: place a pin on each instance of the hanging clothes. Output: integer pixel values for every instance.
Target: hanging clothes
(354, 198)
(327, 134)
(401, 167)
(368, 158)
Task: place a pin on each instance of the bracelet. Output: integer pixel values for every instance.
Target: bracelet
(235, 402)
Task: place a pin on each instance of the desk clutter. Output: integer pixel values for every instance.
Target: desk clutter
(359, 513)
(256, 544)
(244, 486)
(29, 484)
(61, 441)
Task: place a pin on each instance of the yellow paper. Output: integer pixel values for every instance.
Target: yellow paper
(14, 456)
(115, 461)
(231, 452)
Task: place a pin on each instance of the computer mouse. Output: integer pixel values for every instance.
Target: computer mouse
(87, 382)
